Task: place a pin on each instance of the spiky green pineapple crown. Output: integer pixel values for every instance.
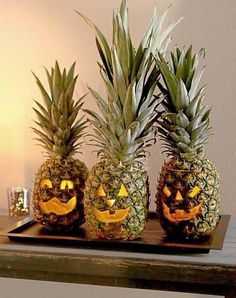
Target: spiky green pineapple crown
(57, 130)
(126, 128)
(184, 126)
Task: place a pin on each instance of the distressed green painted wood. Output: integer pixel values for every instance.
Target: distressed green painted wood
(213, 273)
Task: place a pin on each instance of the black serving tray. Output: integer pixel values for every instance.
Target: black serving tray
(152, 240)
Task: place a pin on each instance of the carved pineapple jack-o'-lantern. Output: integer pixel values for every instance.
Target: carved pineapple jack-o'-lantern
(181, 214)
(185, 207)
(58, 195)
(59, 182)
(54, 204)
(184, 128)
(116, 200)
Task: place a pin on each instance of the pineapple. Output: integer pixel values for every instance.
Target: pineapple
(117, 192)
(60, 181)
(188, 188)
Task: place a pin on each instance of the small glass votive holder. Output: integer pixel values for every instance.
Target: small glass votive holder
(18, 201)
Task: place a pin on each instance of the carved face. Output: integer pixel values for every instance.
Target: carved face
(59, 199)
(58, 194)
(186, 209)
(188, 198)
(112, 214)
(116, 200)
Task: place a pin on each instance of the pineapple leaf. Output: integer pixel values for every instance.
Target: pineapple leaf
(195, 104)
(121, 45)
(126, 127)
(44, 111)
(112, 94)
(46, 97)
(169, 78)
(57, 85)
(158, 39)
(103, 106)
(70, 89)
(182, 98)
(118, 76)
(178, 119)
(130, 105)
(50, 82)
(106, 64)
(101, 38)
(180, 138)
(195, 82)
(70, 75)
(56, 120)
(138, 58)
(44, 137)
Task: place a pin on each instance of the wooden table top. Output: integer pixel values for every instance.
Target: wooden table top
(212, 273)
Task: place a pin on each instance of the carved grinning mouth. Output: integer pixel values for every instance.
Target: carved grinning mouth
(181, 215)
(55, 206)
(107, 217)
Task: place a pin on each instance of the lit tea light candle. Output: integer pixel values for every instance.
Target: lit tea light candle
(18, 201)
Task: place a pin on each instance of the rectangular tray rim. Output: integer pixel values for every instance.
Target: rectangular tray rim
(185, 247)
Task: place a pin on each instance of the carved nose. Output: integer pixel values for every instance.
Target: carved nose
(178, 196)
(110, 203)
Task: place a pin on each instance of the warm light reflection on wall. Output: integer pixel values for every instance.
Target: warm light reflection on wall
(32, 35)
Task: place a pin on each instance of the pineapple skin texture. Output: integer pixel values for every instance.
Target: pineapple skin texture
(111, 175)
(184, 175)
(57, 170)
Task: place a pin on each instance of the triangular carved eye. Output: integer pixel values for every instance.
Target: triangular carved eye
(101, 192)
(123, 192)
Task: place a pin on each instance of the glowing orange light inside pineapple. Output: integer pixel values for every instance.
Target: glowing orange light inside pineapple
(116, 215)
(123, 192)
(180, 214)
(107, 217)
(110, 203)
(66, 184)
(194, 192)
(178, 196)
(55, 206)
(46, 183)
(101, 192)
(166, 191)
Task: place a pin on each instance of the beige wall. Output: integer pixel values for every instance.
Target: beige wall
(36, 32)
